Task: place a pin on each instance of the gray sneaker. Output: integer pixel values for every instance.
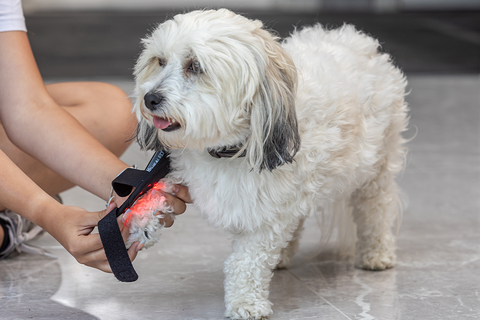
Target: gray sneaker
(20, 230)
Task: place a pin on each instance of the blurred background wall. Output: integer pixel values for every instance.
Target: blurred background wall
(296, 5)
(91, 39)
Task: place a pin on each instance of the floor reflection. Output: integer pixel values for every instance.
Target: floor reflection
(26, 284)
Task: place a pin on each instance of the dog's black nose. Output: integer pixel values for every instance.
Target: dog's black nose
(153, 101)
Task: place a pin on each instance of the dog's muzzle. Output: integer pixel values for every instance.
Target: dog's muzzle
(153, 101)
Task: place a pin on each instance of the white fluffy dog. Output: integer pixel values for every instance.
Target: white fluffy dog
(311, 122)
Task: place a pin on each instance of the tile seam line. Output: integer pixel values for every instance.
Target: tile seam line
(318, 295)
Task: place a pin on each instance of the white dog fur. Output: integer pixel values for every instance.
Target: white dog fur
(318, 119)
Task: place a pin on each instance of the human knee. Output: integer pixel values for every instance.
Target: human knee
(108, 115)
(117, 110)
(115, 99)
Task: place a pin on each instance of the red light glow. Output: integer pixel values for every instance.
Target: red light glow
(152, 201)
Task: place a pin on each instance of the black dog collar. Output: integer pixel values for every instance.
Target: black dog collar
(226, 153)
(142, 181)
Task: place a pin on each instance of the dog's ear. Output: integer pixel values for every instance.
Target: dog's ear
(274, 138)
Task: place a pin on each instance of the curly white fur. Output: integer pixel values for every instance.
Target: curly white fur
(318, 117)
(143, 216)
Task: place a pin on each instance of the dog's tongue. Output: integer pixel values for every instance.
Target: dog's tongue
(161, 123)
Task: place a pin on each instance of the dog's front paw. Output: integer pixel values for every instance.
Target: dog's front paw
(251, 310)
(375, 256)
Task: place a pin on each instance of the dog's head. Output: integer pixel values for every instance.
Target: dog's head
(214, 79)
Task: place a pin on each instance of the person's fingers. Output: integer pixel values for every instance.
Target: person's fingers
(167, 221)
(177, 205)
(121, 225)
(182, 193)
(133, 250)
(124, 227)
(83, 244)
(98, 259)
(94, 257)
(110, 206)
(89, 242)
(101, 265)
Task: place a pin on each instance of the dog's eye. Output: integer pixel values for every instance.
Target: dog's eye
(161, 62)
(194, 67)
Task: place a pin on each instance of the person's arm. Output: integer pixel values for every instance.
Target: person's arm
(71, 226)
(38, 126)
(41, 128)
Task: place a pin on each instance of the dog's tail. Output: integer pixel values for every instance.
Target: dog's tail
(335, 230)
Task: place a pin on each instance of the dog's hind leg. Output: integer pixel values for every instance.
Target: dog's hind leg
(292, 247)
(376, 207)
(249, 269)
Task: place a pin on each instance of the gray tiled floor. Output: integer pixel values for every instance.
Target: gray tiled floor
(437, 275)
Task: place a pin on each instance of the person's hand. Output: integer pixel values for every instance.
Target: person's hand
(177, 200)
(73, 229)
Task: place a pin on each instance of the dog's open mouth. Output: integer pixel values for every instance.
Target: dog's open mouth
(165, 124)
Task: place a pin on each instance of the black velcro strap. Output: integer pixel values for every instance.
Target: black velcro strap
(114, 247)
(129, 178)
(112, 240)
